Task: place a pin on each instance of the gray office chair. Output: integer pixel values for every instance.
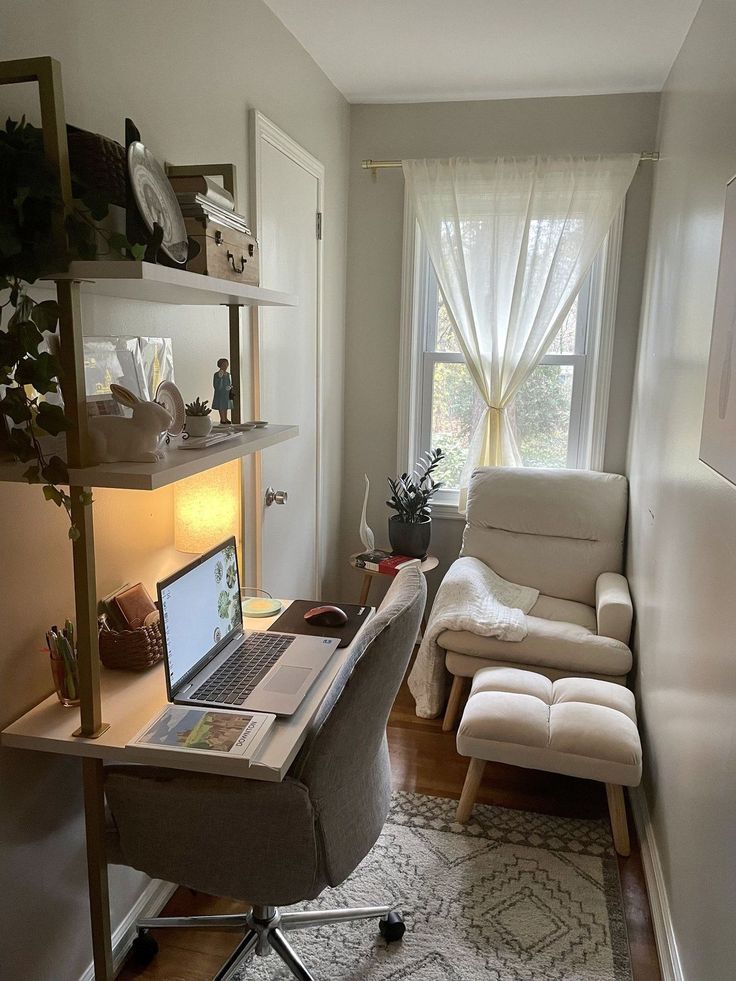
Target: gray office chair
(275, 844)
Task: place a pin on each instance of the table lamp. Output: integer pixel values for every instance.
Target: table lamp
(207, 508)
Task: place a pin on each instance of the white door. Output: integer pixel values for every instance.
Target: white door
(286, 187)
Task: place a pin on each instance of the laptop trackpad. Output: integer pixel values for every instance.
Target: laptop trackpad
(287, 680)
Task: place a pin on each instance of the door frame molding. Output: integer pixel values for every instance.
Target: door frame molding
(263, 130)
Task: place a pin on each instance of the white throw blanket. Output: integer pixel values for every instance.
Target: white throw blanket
(471, 597)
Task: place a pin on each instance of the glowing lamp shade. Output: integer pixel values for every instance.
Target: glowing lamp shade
(207, 508)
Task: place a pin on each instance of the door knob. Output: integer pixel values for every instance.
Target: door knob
(275, 497)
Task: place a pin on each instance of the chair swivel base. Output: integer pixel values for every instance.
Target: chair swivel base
(265, 928)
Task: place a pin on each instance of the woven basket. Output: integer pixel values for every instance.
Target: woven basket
(131, 650)
(99, 163)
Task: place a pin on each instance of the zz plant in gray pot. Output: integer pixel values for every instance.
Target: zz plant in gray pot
(410, 529)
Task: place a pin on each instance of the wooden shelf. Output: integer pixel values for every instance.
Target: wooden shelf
(177, 465)
(158, 284)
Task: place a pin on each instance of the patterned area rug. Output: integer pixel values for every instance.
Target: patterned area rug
(512, 896)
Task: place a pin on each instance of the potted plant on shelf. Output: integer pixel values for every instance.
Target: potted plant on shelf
(410, 529)
(198, 418)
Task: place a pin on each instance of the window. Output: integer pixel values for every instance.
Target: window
(559, 413)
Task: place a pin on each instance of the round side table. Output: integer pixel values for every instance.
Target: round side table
(428, 564)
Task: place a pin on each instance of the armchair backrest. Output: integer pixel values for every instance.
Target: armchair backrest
(555, 530)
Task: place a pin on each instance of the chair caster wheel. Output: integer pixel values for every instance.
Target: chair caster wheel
(392, 926)
(144, 948)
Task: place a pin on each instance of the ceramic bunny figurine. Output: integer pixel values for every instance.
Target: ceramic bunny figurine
(114, 439)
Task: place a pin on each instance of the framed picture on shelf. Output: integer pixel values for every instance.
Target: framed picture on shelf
(718, 436)
(157, 356)
(108, 361)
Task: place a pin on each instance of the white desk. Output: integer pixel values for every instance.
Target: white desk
(131, 699)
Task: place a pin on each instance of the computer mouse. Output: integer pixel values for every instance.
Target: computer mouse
(326, 616)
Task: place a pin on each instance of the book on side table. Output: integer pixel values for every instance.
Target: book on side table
(219, 732)
(378, 560)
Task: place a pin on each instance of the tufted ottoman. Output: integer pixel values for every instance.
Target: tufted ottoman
(577, 726)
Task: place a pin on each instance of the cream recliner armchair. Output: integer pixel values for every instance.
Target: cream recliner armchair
(562, 532)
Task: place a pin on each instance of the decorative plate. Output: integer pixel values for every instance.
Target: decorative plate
(157, 201)
(171, 399)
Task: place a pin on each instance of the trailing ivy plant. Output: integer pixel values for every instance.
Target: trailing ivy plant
(29, 370)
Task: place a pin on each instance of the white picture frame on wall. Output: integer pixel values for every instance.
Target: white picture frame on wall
(718, 436)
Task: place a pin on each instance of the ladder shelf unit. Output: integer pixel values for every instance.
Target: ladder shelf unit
(148, 282)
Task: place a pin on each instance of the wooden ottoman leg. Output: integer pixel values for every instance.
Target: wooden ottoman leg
(454, 703)
(619, 822)
(470, 790)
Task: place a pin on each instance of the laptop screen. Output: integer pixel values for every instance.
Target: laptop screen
(200, 608)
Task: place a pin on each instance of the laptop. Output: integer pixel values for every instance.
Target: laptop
(210, 660)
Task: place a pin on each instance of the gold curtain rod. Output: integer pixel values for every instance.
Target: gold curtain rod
(384, 164)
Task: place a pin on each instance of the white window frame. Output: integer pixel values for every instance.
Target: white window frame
(591, 387)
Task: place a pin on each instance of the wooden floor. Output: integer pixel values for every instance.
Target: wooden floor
(424, 760)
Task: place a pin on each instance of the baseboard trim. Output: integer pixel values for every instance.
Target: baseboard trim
(150, 903)
(664, 933)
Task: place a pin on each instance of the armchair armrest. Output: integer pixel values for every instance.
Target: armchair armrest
(613, 608)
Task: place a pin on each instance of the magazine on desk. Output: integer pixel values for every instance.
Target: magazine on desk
(218, 732)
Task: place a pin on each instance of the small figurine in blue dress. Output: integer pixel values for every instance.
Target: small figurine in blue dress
(222, 384)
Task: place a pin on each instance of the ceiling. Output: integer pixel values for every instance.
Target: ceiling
(447, 50)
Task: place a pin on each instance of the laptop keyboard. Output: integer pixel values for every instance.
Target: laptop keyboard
(236, 678)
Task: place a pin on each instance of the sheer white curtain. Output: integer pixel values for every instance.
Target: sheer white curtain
(511, 241)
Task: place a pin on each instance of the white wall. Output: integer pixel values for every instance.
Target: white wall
(597, 124)
(682, 557)
(187, 73)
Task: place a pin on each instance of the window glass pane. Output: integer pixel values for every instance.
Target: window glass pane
(541, 416)
(456, 411)
(446, 337)
(564, 343)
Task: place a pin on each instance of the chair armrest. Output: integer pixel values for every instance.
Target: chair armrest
(613, 608)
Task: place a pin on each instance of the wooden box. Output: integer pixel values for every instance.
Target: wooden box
(224, 252)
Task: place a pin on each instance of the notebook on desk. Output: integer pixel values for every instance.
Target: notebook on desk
(292, 621)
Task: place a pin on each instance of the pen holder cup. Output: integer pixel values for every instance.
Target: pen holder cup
(132, 650)
(66, 680)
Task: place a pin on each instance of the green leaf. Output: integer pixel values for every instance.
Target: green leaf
(118, 243)
(41, 372)
(138, 251)
(26, 372)
(53, 494)
(29, 336)
(15, 405)
(22, 445)
(46, 315)
(23, 309)
(86, 498)
(51, 418)
(55, 471)
(74, 533)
